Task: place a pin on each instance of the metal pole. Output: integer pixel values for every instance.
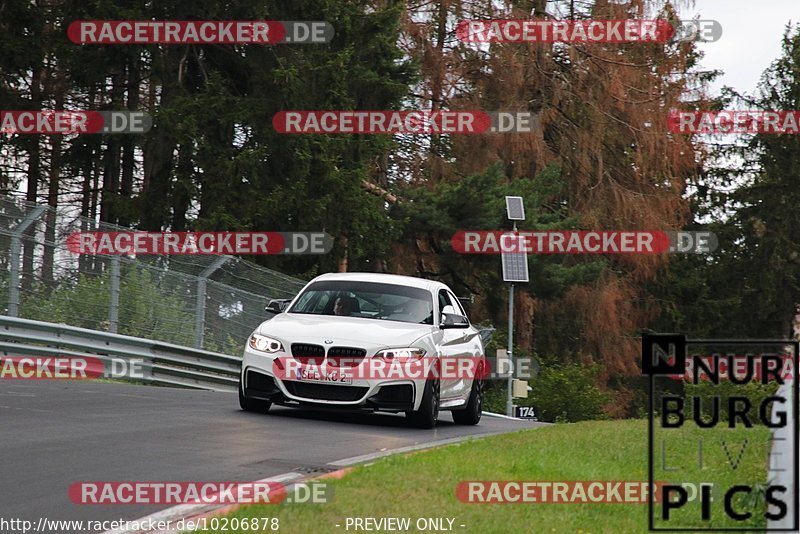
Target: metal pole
(509, 401)
(200, 313)
(13, 288)
(16, 248)
(113, 310)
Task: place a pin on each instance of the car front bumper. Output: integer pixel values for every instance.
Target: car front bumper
(261, 381)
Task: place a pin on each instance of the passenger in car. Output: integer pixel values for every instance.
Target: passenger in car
(345, 306)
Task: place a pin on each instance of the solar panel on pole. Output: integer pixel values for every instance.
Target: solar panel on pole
(515, 262)
(515, 209)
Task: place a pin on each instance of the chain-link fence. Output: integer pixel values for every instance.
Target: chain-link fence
(211, 302)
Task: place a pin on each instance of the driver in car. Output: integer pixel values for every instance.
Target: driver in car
(419, 311)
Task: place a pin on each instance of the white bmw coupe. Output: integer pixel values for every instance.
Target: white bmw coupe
(368, 341)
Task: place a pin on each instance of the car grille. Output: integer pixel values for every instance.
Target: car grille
(345, 356)
(308, 354)
(325, 391)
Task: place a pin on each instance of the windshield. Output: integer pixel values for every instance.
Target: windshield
(368, 300)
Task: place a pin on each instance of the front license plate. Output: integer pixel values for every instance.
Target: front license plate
(332, 377)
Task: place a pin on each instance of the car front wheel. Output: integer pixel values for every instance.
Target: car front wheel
(252, 405)
(428, 413)
(471, 415)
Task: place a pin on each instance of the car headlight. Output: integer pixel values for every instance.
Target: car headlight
(265, 344)
(404, 353)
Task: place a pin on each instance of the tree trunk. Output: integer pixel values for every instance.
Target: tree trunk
(523, 318)
(34, 176)
(129, 149)
(159, 149)
(158, 162)
(182, 192)
(111, 166)
(342, 265)
(54, 176)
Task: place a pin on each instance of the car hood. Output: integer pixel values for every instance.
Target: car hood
(349, 331)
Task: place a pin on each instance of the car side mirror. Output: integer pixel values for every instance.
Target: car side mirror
(276, 306)
(452, 319)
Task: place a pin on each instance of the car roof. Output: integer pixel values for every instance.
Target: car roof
(383, 278)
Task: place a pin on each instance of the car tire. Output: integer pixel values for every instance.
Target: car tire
(428, 414)
(471, 415)
(252, 405)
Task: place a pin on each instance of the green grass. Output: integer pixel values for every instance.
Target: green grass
(423, 484)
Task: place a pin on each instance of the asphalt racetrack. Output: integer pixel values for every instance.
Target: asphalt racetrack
(54, 433)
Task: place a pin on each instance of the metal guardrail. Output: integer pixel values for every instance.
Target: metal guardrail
(166, 364)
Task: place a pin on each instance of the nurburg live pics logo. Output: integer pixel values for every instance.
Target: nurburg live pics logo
(766, 362)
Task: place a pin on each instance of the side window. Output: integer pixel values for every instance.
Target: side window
(444, 300)
(448, 299)
(457, 305)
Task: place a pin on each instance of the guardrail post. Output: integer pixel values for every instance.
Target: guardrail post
(200, 313)
(113, 309)
(16, 250)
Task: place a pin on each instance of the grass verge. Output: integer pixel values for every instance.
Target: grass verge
(422, 484)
